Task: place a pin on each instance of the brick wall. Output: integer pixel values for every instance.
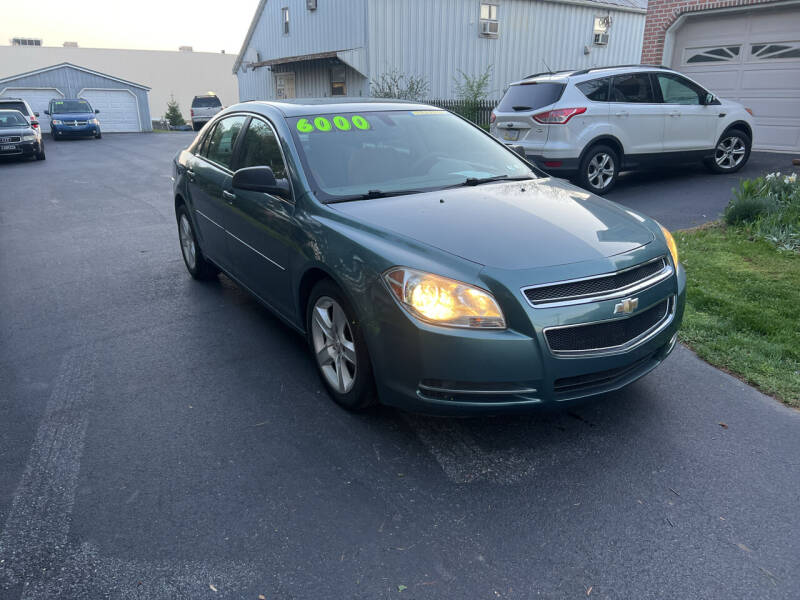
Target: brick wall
(663, 13)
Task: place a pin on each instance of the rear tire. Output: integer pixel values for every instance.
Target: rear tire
(731, 152)
(338, 347)
(196, 263)
(599, 169)
(195, 126)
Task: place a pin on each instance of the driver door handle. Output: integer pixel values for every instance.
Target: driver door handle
(675, 113)
(229, 196)
(622, 113)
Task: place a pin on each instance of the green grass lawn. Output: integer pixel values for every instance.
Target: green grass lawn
(743, 307)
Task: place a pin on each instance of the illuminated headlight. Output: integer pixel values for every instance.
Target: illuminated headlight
(94, 121)
(57, 122)
(673, 247)
(444, 301)
(28, 137)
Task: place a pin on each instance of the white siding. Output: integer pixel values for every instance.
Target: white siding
(436, 39)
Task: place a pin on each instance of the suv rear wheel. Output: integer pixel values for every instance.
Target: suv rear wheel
(599, 169)
(731, 153)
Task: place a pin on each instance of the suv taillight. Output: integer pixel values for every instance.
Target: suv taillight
(558, 116)
(492, 117)
(192, 111)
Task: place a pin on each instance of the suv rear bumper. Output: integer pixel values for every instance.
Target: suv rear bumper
(554, 165)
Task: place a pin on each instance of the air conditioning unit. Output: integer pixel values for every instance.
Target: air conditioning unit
(489, 28)
(311, 4)
(601, 39)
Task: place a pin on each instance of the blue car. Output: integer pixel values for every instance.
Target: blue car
(73, 117)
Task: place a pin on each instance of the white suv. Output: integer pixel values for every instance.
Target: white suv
(592, 124)
(203, 108)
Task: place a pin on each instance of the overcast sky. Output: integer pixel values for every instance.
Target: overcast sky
(143, 24)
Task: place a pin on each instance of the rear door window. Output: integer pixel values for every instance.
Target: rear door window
(596, 89)
(632, 87)
(206, 102)
(530, 96)
(222, 141)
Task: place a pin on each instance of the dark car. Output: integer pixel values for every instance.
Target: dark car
(73, 117)
(429, 266)
(18, 138)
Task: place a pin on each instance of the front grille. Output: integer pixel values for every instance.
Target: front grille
(595, 286)
(7, 139)
(607, 334)
(74, 123)
(599, 378)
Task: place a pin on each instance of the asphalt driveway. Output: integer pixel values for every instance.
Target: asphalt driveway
(162, 438)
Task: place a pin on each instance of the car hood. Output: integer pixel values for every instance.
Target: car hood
(520, 225)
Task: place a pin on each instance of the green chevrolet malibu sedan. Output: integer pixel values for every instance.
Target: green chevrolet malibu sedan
(427, 264)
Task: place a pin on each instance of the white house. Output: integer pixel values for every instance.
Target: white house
(317, 48)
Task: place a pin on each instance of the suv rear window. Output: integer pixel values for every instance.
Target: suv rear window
(206, 102)
(530, 96)
(20, 106)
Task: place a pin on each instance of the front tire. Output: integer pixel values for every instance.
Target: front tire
(98, 135)
(338, 347)
(40, 155)
(731, 152)
(196, 263)
(599, 169)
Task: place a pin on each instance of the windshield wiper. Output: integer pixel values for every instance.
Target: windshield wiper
(372, 194)
(470, 181)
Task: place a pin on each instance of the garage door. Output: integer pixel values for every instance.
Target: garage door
(119, 111)
(37, 98)
(753, 58)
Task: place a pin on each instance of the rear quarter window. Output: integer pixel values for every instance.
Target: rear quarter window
(596, 89)
(530, 96)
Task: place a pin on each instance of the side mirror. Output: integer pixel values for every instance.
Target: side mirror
(97, 112)
(35, 114)
(34, 123)
(47, 112)
(709, 99)
(261, 179)
(517, 149)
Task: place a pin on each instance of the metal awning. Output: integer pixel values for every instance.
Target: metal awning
(352, 57)
(294, 59)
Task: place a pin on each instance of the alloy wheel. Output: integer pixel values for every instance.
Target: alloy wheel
(334, 344)
(187, 242)
(600, 170)
(730, 152)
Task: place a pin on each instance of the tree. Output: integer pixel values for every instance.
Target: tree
(394, 84)
(472, 91)
(173, 114)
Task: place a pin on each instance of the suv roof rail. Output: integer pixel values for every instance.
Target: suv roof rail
(589, 70)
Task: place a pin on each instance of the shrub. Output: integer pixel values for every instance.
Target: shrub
(471, 91)
(768, 208)
(394, 84)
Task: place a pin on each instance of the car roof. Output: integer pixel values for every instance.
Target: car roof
(12, 110)
(590, 73)
(298, 107)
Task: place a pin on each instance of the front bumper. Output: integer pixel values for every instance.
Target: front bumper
(436, 370)
(74, 130)
(21, 149)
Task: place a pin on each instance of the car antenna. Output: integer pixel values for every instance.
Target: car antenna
(546, 66)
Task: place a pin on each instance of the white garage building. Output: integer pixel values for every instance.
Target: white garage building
(123, 105)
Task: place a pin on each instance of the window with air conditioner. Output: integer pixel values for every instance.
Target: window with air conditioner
(601, 25)
(489, 24)
(311, 4)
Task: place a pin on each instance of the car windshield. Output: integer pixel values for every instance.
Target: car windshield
(71, 106)
(206, 102)
(12, 118)
(346, 155)
(14, 106)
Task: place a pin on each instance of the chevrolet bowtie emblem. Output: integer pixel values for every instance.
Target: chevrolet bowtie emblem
(626, 307)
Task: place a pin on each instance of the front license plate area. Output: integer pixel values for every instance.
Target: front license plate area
(7, 147)
(511, 135)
